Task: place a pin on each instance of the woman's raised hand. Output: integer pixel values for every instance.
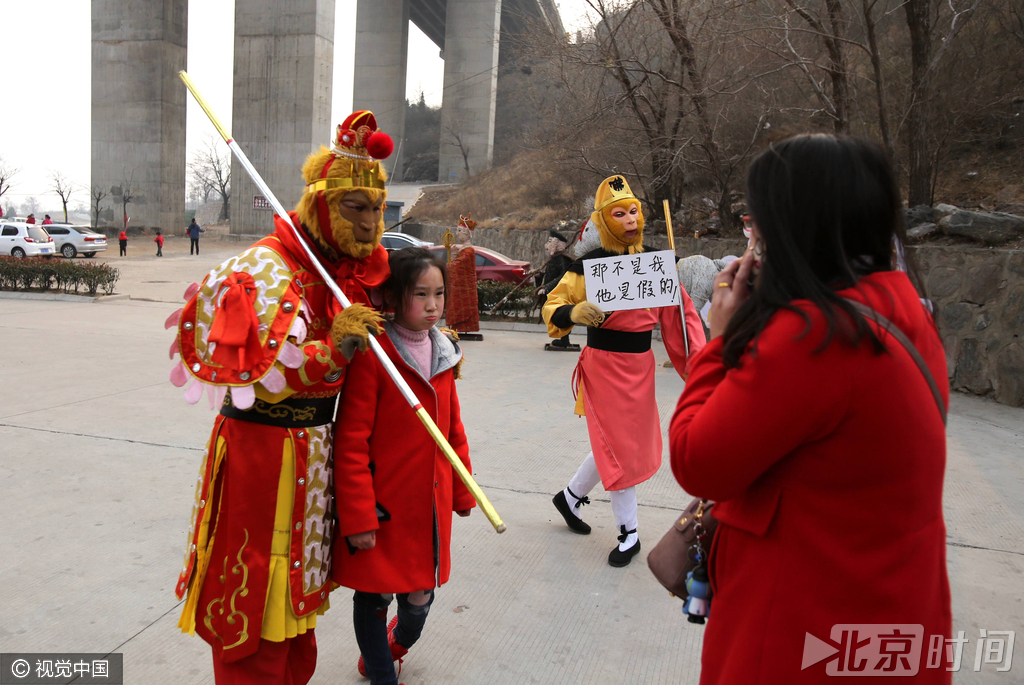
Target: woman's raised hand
(730, 292)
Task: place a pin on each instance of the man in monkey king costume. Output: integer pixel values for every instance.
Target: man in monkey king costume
(264, 337)
(614, 378)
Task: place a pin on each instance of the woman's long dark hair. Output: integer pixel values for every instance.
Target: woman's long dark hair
(827, 208)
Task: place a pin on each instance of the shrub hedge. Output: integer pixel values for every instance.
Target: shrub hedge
(61, 275)
(489, 293)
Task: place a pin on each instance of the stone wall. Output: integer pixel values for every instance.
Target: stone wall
(978, 294)
(979, 303)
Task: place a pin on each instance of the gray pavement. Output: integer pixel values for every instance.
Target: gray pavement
(99, 454)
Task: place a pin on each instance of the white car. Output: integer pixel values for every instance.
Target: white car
(71, 240)
(19, 240)
(392, 240)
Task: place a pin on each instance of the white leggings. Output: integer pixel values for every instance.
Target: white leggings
(623, 501)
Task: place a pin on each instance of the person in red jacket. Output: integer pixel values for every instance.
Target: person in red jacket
(816, 433)
(159, 240)
(396, 490)
(123, 242)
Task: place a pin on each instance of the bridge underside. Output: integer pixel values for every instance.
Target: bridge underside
(429, 17)
(468, 34)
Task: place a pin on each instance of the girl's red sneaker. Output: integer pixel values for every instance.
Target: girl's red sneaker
(397, 650)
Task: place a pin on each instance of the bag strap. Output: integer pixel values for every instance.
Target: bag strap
(900, 336)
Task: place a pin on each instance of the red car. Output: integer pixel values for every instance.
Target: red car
(494, 266)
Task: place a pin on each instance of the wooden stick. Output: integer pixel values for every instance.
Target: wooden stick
(672, 246)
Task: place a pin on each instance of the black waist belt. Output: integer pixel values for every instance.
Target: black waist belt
(288, 413)
(619, 341)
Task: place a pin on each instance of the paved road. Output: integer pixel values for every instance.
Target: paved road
(99, 453)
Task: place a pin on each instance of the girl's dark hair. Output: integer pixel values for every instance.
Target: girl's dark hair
(406, 266)
(827, 208)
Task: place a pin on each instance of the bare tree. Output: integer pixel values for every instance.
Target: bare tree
(457, 139)
(97, 194)
(126, 192)
(31, 205)
(211, 172)
(7, 172)
(63, 187)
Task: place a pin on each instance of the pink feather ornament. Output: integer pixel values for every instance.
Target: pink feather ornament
(173, 320)
(291, 356)
(191, 291)
(274, 381)
(179, 375)
(194, 392)
(243, 396)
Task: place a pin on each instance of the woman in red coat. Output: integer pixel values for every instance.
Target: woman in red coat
(395, 488)
(816, 433)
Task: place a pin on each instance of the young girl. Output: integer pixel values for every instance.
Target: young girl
(395, 489)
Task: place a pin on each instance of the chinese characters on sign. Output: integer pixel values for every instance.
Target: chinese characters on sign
(861, 649)
(637, 281)
(260, 202)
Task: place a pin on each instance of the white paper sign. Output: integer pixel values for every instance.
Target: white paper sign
(637, 281)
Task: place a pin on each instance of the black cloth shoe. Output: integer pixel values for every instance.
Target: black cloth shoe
(619, 559)
(575, 523)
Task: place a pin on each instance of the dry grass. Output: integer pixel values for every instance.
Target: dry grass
(529, 192)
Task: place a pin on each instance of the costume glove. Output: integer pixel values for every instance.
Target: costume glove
(352, 328)
(587, 314)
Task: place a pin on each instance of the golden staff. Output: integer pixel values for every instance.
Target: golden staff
(672, 246)
(403, 387)
(448, 240)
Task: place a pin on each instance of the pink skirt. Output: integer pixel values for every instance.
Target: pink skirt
(622, 415)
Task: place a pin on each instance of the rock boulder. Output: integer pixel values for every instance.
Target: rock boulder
(991, 228)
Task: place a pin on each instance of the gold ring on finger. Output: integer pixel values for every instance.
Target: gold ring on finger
(725, 285)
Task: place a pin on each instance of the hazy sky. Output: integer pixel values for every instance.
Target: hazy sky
(44, 120)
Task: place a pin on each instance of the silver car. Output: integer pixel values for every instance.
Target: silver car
(71, 240)
(396, 241)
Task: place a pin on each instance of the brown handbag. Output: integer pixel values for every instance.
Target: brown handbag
(674, 555)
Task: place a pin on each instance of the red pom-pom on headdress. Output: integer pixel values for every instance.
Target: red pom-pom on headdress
(380, 145)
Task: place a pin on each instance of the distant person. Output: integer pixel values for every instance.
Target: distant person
(194, 230)
(122, 240)
(31, 219)
(817, 434)
(47, 220)
(159, 240)
(558, 263)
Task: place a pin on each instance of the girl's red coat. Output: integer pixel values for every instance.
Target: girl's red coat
(827, 466)
(410, 478)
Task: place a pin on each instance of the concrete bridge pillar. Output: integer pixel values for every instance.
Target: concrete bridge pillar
(382, 56)
(472, 33)
(138, 109)
(284, 63)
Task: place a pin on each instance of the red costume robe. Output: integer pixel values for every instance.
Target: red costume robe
(260, 325)
(462, 312)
